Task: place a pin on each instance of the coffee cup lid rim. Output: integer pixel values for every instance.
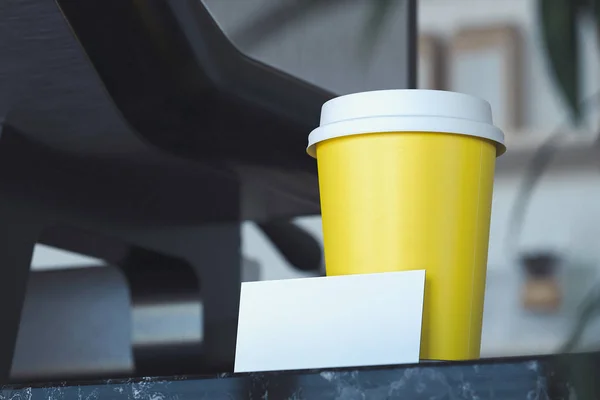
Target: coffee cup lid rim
(406, 110)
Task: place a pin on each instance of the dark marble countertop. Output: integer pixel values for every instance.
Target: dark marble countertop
(552, 377)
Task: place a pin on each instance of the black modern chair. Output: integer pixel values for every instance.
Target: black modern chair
(135, 132)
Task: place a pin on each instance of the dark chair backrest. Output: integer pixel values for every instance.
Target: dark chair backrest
(128, 89)
(185, 88)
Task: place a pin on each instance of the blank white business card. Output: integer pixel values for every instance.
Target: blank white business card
(329, 322)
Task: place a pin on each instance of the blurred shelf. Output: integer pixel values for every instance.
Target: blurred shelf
(576, 150)
(526, 348)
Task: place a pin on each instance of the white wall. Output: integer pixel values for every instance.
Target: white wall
(544, 109)
(46, 257)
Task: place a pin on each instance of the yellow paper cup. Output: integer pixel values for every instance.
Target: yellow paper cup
(406, 181)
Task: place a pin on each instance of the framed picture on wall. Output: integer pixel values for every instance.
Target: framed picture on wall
(486, 62)
(430, 72)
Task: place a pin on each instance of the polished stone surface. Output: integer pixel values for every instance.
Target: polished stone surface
(556, 377)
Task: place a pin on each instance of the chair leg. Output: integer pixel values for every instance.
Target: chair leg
(18, 235)
(213, 251)
(209, 267)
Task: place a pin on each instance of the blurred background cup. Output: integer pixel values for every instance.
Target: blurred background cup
(406, 181)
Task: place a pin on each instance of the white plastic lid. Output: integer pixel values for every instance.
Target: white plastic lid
(406, 110)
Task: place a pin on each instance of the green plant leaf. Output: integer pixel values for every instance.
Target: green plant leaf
(380, 14)
(595, 9)
(381, 11)
(558, 27)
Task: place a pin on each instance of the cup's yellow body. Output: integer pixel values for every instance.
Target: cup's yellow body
(410, 201)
